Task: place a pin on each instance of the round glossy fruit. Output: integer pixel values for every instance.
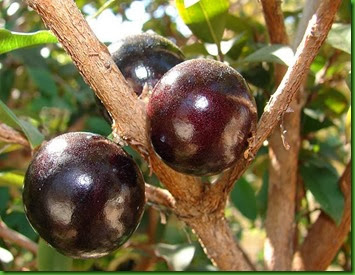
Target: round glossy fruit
(83, 195)
(143, 59)
(201, 116)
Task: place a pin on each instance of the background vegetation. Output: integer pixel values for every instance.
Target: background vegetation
(45, 96)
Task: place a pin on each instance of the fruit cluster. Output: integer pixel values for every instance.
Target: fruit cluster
(85, 196)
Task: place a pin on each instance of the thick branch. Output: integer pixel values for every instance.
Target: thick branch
(10, 135)
(274, 21)
(325, 238)
(12, 236)
(283, 165)
(214, 231)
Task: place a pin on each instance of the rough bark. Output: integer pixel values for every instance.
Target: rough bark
(325, 238)
(231, 257)
(283, 155)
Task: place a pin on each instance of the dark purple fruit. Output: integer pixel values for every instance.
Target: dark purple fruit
(201, 116)
(143, 59)
(83, 195)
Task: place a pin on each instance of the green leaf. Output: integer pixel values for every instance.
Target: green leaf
(244, 199)
(7, 78)
(10, 41)
(257, 75)
(275, 53)
(178, 257)
(205, 18)
(331, 101)
(314, 120)
(48, 259)
(339, 37)
(262, 196)
(11, 178)
(4, 199)
(238, 45)
(194, 50)
(322, 180)
(43, 80)
(15, 218)
(8, 117)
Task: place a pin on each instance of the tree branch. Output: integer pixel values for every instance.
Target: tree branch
(10, 135)
(222, 248)
(325, 238)
(12, 236)
(283, 165)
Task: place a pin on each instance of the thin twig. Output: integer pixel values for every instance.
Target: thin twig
(10, 135)
(12, 236)
(159, 196)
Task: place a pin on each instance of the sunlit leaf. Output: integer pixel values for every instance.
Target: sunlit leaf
(48, 259)
(8, 117)
(322, 180)
(205, 18)
(339, 37)
(348, 125)
(243, 197)
(10, 41)
(275, 53)
(177, 256)
(11, 178)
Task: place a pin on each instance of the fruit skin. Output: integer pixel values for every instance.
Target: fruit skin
(143, 59)
(83, 195)
(201, 116)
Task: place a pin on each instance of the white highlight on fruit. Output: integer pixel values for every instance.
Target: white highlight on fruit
(84, 180)
(57, 146)
(183, 129)
(201, 103)
(141, 72)
(170, 78)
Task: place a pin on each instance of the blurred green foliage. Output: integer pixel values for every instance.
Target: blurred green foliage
(42, 94)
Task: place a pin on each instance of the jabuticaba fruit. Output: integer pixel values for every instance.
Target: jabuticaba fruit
(201, 116)
(83, 195)
(143, 59)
